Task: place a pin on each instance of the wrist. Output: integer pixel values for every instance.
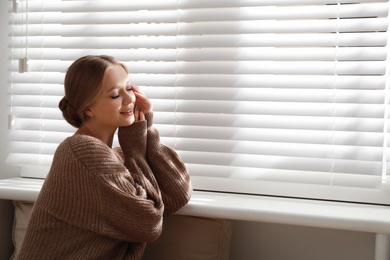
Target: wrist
(149, 118)
(132, 139)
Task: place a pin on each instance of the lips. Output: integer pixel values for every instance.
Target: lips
(127, 112)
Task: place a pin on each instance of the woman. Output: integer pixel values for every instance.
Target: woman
(100, 202)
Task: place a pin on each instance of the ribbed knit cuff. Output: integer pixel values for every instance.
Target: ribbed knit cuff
(149, 119)
(154, 143)
(132, 139)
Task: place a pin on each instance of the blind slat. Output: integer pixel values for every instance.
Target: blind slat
(246, 121)
(368, 82)
(226, 54)
(241, 67)
(215, 14)
(52, 95)
(234, 27)
(212, 41)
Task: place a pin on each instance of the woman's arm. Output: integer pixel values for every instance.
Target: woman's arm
(168, 169)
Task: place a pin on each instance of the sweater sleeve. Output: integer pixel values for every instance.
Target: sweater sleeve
(128, 212)
(168, 174)
(169, 170)
(133, 142)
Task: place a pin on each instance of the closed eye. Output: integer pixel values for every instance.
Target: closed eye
(128, 89)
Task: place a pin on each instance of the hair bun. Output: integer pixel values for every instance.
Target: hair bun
(63, 104)
(68, 112)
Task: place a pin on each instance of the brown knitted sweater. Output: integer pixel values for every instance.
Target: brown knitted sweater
(103, 203)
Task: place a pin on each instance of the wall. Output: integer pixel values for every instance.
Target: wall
(250, 240)
(6, 208)
(269, 241)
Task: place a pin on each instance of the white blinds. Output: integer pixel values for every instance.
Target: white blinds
(282, 97)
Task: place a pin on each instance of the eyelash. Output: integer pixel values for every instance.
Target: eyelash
(117, 96)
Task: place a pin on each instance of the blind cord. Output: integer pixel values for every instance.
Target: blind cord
(26, 10)
(23, 62)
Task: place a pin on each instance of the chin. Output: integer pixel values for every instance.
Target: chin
(128, 123)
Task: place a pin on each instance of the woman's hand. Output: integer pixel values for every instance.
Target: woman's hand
(138, 115)
(142, 103)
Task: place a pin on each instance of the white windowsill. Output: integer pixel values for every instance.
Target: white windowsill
(314, 213)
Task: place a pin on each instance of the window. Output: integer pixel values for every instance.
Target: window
(284, 98)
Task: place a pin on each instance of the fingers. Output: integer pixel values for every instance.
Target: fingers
(142, 101)
(135, 88)
(138, 115)
(141, 116)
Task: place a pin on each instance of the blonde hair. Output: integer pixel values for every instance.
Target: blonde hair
(83, 82)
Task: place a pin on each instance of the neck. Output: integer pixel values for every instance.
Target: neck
(104, 136)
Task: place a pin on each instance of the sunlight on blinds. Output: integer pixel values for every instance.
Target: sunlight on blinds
(285, 98)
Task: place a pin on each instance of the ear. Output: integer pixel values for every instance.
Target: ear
(89, 112)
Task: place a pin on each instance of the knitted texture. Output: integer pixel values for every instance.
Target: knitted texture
(103, 203)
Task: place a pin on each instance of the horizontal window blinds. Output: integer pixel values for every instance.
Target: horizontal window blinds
(278, 97)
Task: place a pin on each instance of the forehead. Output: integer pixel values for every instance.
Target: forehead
(114, 76)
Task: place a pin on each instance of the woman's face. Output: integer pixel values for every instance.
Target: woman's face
(115, 105)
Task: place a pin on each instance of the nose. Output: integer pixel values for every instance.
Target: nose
(128, 97)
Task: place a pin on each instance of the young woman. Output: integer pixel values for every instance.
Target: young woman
(100, 202)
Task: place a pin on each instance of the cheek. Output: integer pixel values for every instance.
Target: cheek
(111, 108)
